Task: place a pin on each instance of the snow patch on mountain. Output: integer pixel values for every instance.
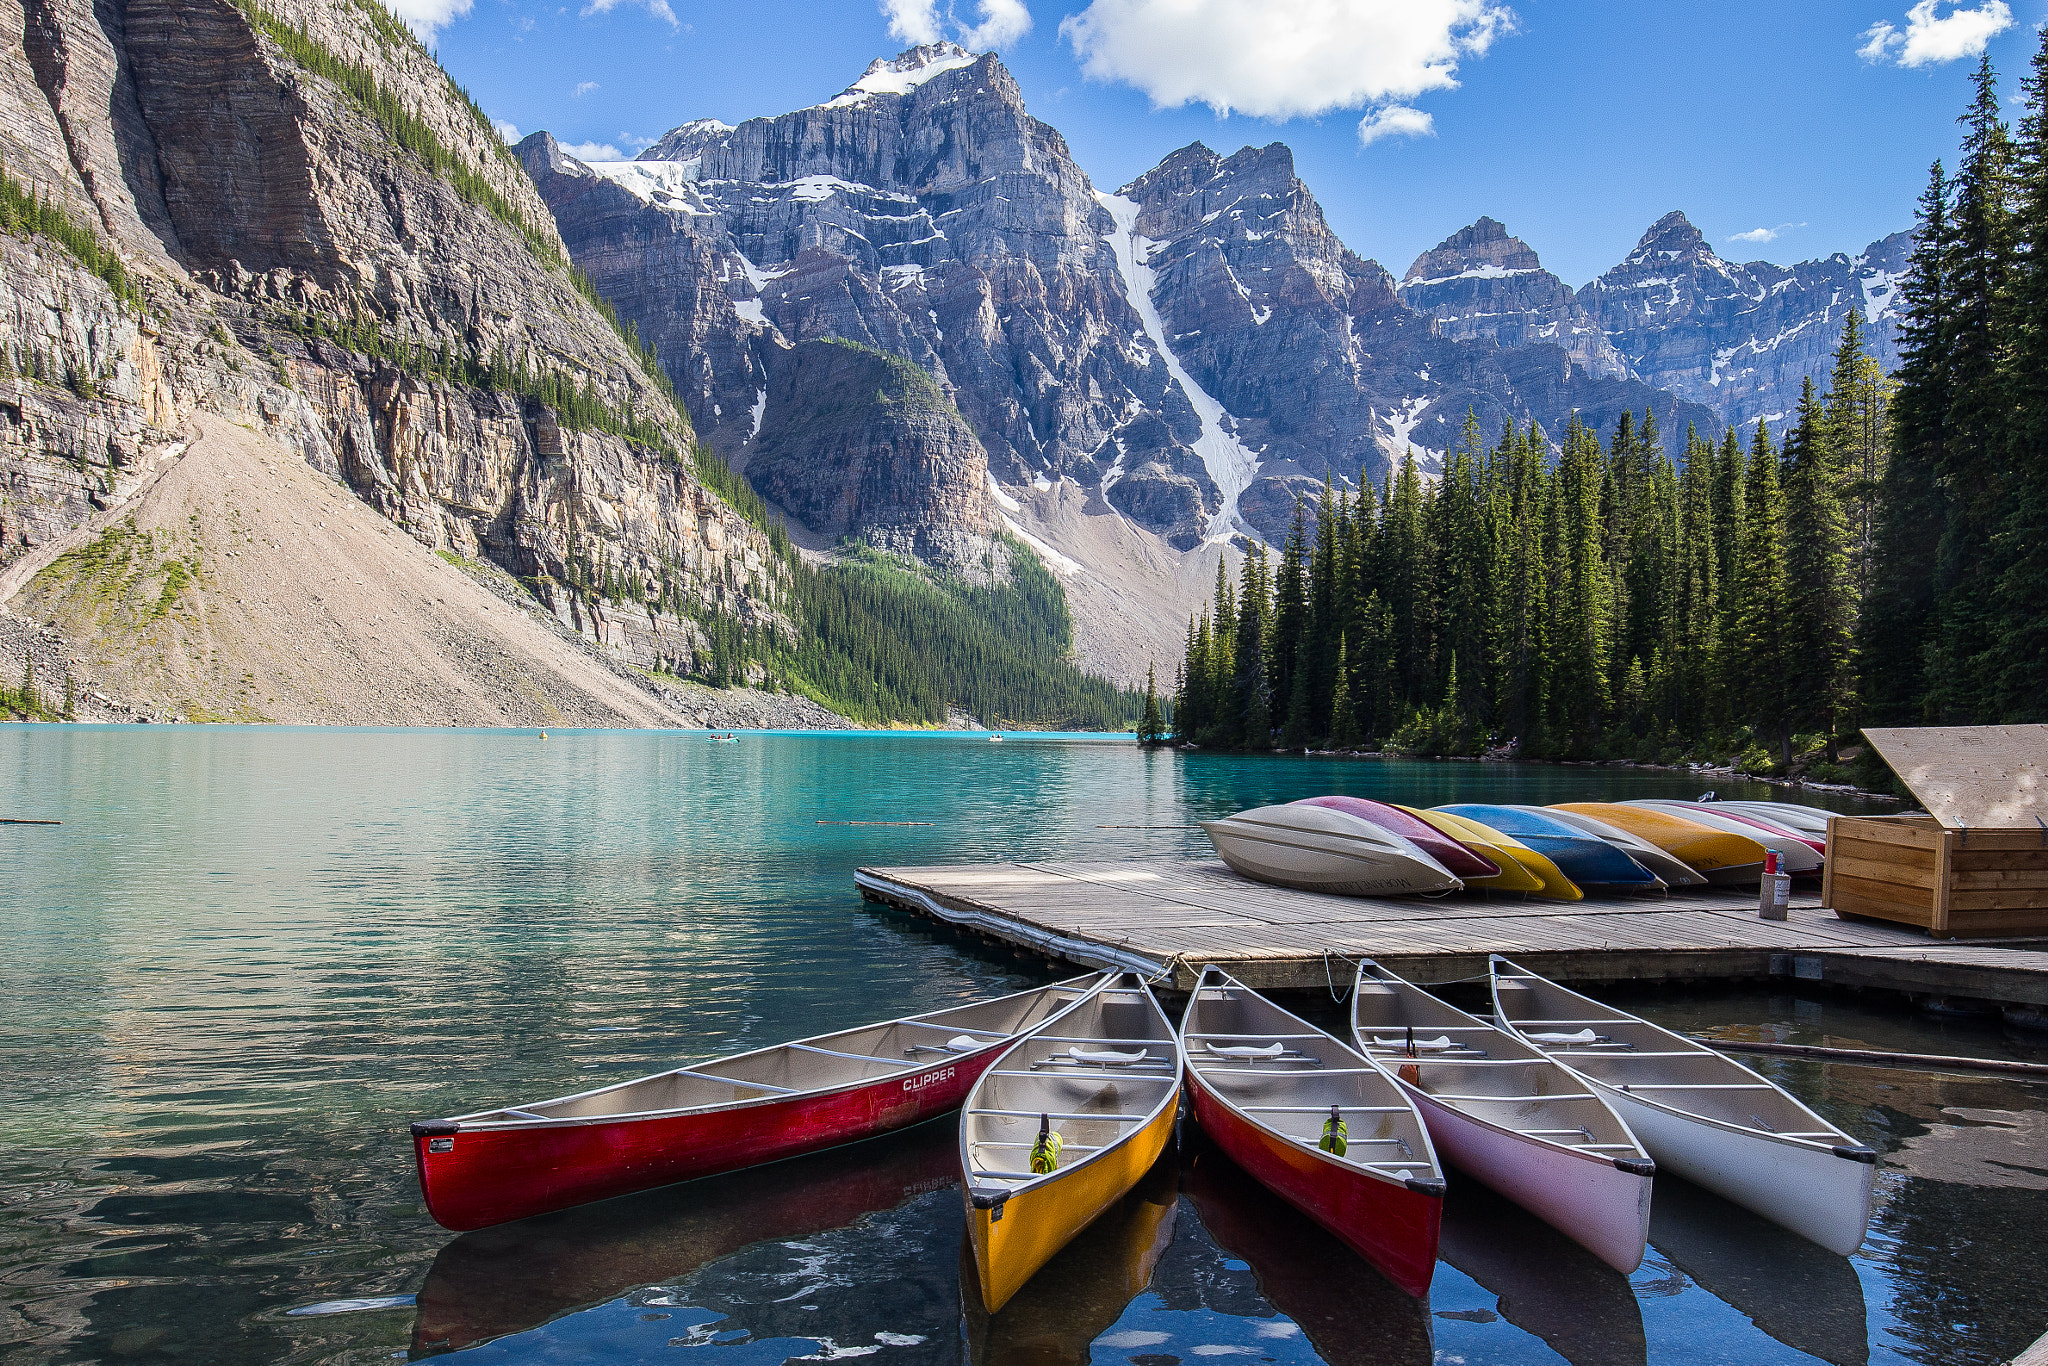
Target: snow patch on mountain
(901, 75)
(665, 184)
(1230, 465)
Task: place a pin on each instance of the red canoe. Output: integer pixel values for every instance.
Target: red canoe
(718, 1116)
(1460, 860)
(1264, 1083)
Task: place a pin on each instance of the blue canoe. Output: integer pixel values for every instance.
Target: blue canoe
(1588, 861)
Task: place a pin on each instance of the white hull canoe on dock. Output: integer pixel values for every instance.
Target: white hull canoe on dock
(1702, 1116)
(1514, 1119)
(1316, 849)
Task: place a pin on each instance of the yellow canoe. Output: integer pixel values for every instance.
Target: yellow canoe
(1105, 1077)
(1522, 869)
(1722, 857)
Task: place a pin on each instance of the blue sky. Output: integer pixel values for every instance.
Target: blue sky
(1575, 122)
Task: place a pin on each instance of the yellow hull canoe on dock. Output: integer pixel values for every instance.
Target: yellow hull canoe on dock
(1104, 1079)
(1522, 869)
(1720, 857)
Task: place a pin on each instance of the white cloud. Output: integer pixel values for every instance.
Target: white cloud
(507, 130)
(1762, 234)
(428, 17)
(658, 8)
(1282, 59)
(1395, 121)
(1928, 39)
(912, 21)
(584, 88)
(1003, 22)
(594, 151)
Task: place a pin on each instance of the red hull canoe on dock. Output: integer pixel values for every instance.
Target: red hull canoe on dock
(719, 1116)
(1263, 1083)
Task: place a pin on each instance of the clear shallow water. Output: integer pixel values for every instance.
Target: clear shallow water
(249, 956)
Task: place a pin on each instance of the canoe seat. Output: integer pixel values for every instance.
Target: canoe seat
(1106, 1057)
(1248, 1051)
(1583, 1036)
(1436, 1045)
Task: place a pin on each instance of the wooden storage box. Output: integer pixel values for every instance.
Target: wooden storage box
(1965, 883)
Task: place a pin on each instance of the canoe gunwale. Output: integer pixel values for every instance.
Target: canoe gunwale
(475, 1123)
(1433, 1184)
(1457, 1104)
(1846, 1147)
(981, 1196)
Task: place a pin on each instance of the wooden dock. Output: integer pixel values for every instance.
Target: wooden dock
(1172, 916)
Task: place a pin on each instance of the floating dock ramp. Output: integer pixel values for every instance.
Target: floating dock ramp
(1169, 917)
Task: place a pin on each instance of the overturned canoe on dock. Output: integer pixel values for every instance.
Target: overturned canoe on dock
(1724, 858)
(1061, 1126)
(1702, 1116)
(1586, 859)
(1316, 849)
(719, 1116)
(1502, 1111)
(1317, 1123)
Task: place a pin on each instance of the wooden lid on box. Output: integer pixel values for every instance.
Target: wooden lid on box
(1972, 777)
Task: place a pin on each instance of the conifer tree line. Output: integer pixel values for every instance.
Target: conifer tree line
(1592, 598)
(1956, 621)
(1885, 562)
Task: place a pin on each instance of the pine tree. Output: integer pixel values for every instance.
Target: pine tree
(1290, 618)
(1253, 690)
(1819, 594)
(1972, 464)
(1151, 726)
(1898, 620)
(1757, 662)
(2021, 682)
(1343, 726)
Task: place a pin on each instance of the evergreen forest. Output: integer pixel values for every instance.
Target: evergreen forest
(1882, 561)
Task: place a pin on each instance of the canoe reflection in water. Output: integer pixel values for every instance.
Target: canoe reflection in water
(1546, 1284)
(1084, 1289)
(1350, 1313)
(513, 1277)
(1801, 1294)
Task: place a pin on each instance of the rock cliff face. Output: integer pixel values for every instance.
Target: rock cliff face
(922, 212)
(1741, 337)
(1320, 366)
(1481, 283)
(1193, 352)
(373, 283)
(862, 443)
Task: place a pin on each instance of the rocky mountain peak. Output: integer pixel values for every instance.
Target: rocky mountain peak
(1480, 282)
(1482, 248)
(688, 140)
(903, 73)
(1672, 236)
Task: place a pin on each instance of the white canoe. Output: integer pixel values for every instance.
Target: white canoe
(1503, 1112)
(1701, 1115)
(1316, 849)
(1810, 821)
(1794, 854)
(1672, 872)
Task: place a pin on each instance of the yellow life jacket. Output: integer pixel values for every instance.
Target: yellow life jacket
(1336, 1137)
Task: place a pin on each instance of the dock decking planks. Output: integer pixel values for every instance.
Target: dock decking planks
(1179, 914)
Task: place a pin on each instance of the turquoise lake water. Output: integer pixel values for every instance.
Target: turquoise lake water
(250, 955)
